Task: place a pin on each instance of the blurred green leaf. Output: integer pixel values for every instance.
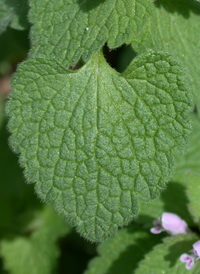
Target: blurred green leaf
(188, 170)
(36, 253)
(17, 199)
(173, 200)
(193, 192)
(190, 161)
(164, 258)
(13, 13)
(28, 229)
(122, 253)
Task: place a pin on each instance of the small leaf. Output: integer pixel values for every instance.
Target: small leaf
(69, 29)
(36, 254)
(95, 141)
(165, 257)
(13, 13)
(174, 28)
(122, 253)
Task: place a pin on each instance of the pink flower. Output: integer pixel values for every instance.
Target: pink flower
(170, 223)
(158, 227)
(190, 259)
(196, 247)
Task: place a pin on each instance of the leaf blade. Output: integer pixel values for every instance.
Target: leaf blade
(39, 252)
(122, 252)
(165, 257)
(188, 170)
(174, 27)
(72, 29)
(14, 14)
(87, 142)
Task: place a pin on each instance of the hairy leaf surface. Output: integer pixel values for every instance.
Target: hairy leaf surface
(13, 13)
(164, 258)
(174, 27)
(69, 29)
(95, 141)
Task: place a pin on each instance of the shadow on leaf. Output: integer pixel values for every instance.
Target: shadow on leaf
(183, 7)
(128, 260)
(87, 5)
(17, 199)
(175, 201)
(177, 249)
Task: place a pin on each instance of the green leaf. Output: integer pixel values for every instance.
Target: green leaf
(174, 28)
(122, 253)
(48, 222)
(193, 190)
(32, 228)
(182, 193)
(164, 258)
(190, 162)
(69, 29)
(96, 141)
(13, 13)
(17, 200)
(186, 180)
(173, 200)
(37, 253)
(188, 170)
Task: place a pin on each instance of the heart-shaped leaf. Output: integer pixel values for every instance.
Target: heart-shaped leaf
(95, 141)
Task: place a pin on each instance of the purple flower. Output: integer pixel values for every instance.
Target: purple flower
(196, 247)
(190, 259)
(170, 223)
(158, 227)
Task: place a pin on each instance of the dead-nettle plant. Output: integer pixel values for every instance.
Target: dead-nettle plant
(100, 144)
